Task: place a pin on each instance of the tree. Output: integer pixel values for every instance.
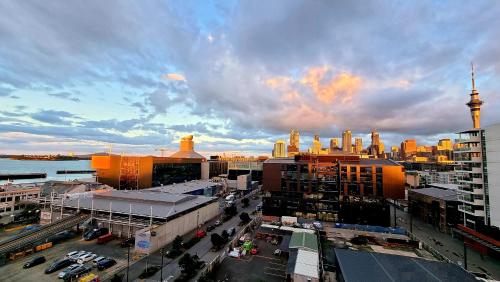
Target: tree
(189, 264)
(244, 217)
(177, 243)
(245, 202)
(225, 235)
(217, 240)
(231, 210)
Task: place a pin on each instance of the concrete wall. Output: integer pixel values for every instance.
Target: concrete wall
(182, 225)
(493, 164)
(302, 278)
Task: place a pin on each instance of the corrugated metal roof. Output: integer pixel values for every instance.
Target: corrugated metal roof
(304, 240)
(370, 266)
(307, 264)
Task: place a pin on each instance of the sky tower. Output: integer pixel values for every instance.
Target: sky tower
(475, 104)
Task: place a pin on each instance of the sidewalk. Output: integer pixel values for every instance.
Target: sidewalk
(451, 248)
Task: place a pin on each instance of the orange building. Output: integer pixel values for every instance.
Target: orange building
(408, 148)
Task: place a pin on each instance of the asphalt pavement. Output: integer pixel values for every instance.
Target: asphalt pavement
(171, 268)
(451, 248)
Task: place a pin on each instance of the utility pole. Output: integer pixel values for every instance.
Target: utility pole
(128, 257)
(465, 255)
(161, 268)
(395, 223)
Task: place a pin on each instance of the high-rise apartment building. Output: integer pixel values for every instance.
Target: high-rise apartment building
(334, 145)
(358, 145)
(347, 141)
(279, 149)
(408, 148)
(294, 146)
(316, 145)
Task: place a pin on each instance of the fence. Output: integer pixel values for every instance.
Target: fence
(430, 249)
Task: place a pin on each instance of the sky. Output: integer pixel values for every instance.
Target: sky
(77, 76)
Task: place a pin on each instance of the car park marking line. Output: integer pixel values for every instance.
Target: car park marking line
(272, 274)
(267, 257)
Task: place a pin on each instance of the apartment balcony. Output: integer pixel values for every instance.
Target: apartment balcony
(468, 139)
(470, 210)
(469, 199)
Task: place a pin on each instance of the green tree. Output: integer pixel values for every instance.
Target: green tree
(245, 202)
(244, 217)
(177, 243)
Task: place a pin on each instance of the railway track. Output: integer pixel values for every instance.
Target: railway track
(33, 237)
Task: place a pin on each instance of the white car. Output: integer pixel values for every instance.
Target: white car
(71, 253)
(68, 269)
(76, 256)
(85, 258)
(97, 260)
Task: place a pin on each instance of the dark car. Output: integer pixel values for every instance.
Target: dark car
(33, 262)
(96, 233)
(61, 236)
(210, 228)
(77, 272)
(58, 264)
(105, 263)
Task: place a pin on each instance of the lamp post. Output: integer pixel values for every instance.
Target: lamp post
(465, 255)
(161, 268)
(128, 256)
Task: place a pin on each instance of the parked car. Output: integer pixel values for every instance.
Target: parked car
(70, 254)
(231, 231)
(67, 270)
(78, 255)
(86, 258)
(58, 264)
(61, 236)
(97, 260)
(34, 261)
(105, 263)
(200, 234)
(77, 272)
(218, 222)
(96, 233)
(210, 228)
(105, 238)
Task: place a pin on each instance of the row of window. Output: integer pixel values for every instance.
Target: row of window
(17, 198)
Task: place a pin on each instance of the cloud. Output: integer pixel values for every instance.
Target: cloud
(237, 70)
(65, 95)
(174, 76)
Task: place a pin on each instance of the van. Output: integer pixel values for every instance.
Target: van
(105, 238)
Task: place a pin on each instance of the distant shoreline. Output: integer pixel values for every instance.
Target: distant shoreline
(45, 158)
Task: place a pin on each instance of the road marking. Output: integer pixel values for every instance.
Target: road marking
(267, 257)
(282, 276)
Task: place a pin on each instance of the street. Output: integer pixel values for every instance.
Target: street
(171, 268)
(448, 246)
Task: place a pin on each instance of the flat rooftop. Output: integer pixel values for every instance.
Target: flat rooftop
(139, 203)
(369, 266)
(186, 187)
(442, 194)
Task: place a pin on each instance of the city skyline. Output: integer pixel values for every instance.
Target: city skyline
(73, 79)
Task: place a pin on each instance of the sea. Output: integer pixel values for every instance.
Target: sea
(49, 167)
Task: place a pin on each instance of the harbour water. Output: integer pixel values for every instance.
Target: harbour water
(49, 167)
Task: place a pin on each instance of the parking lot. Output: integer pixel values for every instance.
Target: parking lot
(251, 268)
(13, 270)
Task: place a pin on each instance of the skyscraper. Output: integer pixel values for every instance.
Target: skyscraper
(358, 145)
(316, 145)
(374, 147)
(334, 144)
(475, 104)
(408, 148)
(279, 149)
(347, 141)
(294, 146)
